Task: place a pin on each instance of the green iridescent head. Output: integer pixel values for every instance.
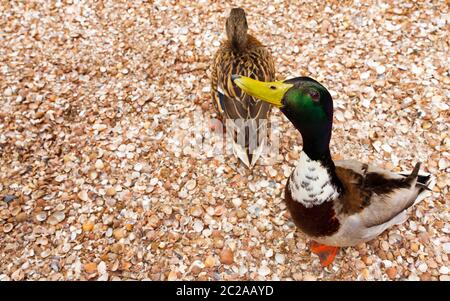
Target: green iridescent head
(304, 101)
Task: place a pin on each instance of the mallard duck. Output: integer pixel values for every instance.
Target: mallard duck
(244, 54)
(341, 203)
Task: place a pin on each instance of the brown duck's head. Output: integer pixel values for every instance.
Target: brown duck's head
(237, 27)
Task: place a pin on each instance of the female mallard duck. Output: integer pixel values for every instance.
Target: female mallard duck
(340, 203)
(241, 53)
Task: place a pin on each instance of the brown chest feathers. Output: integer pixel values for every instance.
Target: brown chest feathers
(316, 221)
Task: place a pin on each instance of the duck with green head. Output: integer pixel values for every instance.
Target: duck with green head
(341, 203)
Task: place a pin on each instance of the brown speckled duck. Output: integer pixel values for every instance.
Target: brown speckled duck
(244, 54)
(341, 203)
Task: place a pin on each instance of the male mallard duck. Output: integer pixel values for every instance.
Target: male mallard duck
(244, 54)
(340, 203)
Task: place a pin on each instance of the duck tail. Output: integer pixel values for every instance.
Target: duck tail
(415, 171)
(424, 183)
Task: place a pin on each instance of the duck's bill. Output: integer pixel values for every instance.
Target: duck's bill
(271, 92)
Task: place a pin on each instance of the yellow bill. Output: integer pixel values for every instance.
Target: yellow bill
(271, 92)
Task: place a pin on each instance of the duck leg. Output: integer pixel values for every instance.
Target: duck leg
(326, 253)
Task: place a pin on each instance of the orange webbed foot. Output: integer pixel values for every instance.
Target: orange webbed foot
(326, 253)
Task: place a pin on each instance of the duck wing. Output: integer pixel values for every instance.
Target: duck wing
(375, 198)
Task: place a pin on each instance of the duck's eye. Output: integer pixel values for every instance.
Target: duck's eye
(314, 95)
(273, 87)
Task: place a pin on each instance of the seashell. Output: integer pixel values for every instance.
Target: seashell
(56, 218)
(191, 184)
(41, 216)
(8, 227)
(10, 197)
(14, 211)
(60, 207)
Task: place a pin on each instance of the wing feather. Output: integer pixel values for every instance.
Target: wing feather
(376, 195)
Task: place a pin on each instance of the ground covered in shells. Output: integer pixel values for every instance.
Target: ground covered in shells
(96, 98)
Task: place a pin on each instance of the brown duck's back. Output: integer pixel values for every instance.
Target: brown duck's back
(253, 61)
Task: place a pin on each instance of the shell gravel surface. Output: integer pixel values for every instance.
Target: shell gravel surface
(96, 98)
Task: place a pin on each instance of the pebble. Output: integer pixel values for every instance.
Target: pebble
(110, 191)
(101, 268)
(359, 264)
(340, 116)
(173, 275)
(138, 167)
(109, 232)
(387, 263)
(88, 226)
(272, 172)
(309, 277)
(380, 69)
(365, 273)
(167, 209)
(9, 197)
(83, 196)
(153, 221)
(425, 276)
(424, 237)
(210, 261)
(279, 258)
(391, 272)
(237, 202)
(66, 248)
(413, 225)
(99, 164)
(444, 278)
(41, 216)
(196, 269)
(226, 256)
(119, 233)
(446, 247)
(15, 211)
(443, 270)
(196, 211)
(367, 260)
(386, 148)
(422, 267)
(264, 271)
(384, 245)
(90, 268)
(56, 218)
(21, 217)
(198, 226)
(191, 184)
(8, 227)
(443, 163)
